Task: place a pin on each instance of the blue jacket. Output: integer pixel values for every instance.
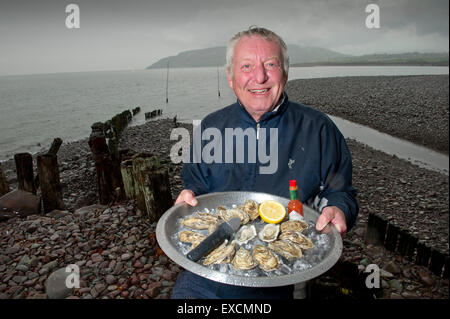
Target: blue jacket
(311, 150)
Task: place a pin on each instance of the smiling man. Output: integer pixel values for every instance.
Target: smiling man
(309, 149)
(256, 74)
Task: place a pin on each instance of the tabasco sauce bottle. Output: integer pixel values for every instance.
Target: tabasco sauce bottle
(295, 206)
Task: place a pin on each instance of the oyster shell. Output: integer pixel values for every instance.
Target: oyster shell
(222, 254)
(245, 234)
(297, 238)
(234, 212)
(212, 228)
(265, 258)
(243, 260)
(295, 225)
(286, 249)
(189, 236)
(251, 208)
(200, 221)
(269, 232)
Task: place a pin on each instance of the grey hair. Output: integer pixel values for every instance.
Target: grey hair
(263, 33)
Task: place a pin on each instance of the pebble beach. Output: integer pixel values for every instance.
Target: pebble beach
(116, 250)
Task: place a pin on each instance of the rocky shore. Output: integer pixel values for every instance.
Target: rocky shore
(413, 107)
(116, 251)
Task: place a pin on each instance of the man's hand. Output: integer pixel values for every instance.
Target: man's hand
(334, 215)
(187, 196)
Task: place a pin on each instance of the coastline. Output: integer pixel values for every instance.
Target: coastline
(414, 108)
(413, 197)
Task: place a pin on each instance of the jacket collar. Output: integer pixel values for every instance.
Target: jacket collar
(268, 115)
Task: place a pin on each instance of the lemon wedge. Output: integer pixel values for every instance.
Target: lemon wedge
(272, 211)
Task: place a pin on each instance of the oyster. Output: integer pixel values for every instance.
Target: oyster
(269, 232)
(234, 212)
(251, 208)
(189, 236)
(195, 244)
(298, 238)
(243, 260)
(286, 249)
(245, 234)
(200, 221)
(222, 254)
(208, 216)
(265, 258)
(212, 228)
(295, 225)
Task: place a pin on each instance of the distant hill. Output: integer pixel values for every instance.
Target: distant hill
(216, 57)
(304, 56)
(411, 58)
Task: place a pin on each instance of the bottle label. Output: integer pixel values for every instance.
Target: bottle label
(293, 193)
(296, 216)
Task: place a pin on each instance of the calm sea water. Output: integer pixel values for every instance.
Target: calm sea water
(37, 108)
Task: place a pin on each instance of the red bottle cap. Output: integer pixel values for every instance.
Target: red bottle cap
(292, 183)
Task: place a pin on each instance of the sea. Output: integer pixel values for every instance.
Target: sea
(35, 109)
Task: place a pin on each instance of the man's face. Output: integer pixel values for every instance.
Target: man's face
(258, 77)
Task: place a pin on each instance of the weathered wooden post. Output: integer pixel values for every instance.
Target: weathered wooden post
(446, 267)
(51, 189)
(158, 184)
(391, 236)
(56, 144)
(376, 230)
(4, 187)
(24, 168)
(151, 185)
(437, 261)
(129, 185)
(106, 184)
(423, 254)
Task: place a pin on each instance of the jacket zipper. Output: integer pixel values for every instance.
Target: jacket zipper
(257, 131)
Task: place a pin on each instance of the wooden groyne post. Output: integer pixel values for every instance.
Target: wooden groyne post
(51, 189)
(146, 179)
(4, 186)
(107, 179)
(25, 176)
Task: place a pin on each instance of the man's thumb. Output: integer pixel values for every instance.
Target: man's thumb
(323, 220)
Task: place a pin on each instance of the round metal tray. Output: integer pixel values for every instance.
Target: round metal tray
(168, 226)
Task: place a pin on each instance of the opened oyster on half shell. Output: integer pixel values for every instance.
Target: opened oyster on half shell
(269, 233)
(245, 234)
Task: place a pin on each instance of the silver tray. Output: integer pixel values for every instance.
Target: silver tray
(168, 226)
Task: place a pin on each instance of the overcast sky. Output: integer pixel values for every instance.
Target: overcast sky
(133, 34)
